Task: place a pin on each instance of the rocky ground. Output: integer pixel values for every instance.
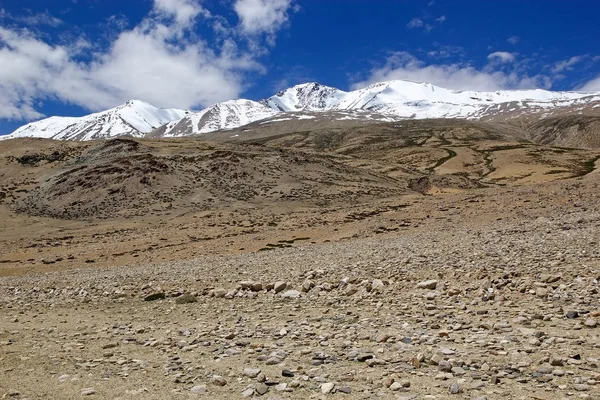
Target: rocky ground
(464, 267)
(509, 310)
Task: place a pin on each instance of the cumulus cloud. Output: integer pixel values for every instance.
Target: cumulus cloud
(184, 12)
(441, 19)
(262, 16)
(501, 56)
(457, 76)
(160, 61)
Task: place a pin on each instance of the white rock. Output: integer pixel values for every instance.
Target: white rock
(327, 387)
(291, 294)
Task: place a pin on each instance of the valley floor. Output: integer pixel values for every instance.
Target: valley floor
(485, 294)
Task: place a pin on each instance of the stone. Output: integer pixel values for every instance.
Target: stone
(261, 389)
(279, 286)
(395, 386)
(307, 285)
(377, 285)
(155, 296)
(218, 380)
(581, 387)
(344, 390)
(327, 387)
(198, 389)
(556, 361)
(590, 323)
(88, 391)
(291, 294)
(429, 284)
(251, 372)
(455, 388)
(219, 293)
(287, 373)
(445, 366)
(572, 314)
(256, 286)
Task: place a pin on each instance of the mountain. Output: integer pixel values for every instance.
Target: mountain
(406, 99)
(134, 118)
(225, 115)
(384, 101)
(306, 97)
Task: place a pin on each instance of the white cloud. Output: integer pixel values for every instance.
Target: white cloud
(501, 56)
(33, 20)
(441, 19)
(160, 61)
(566, 65)
(404, 66)
(42, 19)
(419, 23)
(183, 11)
(262, 16)
(415, 23)
(593, 85)
(513, 40)
(446, 51)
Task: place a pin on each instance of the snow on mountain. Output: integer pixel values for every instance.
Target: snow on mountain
(306, 97)
(406, 99)
(134, 118)
(226, 115)
(383, 101)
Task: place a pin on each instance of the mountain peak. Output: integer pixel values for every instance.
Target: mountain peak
(132, 118)
(310, 96)
(392, 100)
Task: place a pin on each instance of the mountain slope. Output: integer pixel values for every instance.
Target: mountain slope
(134, 118)
(306, 97)
(385, 101)
(225, 115)
(406, 99)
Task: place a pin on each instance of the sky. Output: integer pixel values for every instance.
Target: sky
(74, 57)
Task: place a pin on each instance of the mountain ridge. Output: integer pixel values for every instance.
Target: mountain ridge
(132, 118)
(390, 100)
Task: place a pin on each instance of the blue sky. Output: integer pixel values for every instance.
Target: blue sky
(73, 57)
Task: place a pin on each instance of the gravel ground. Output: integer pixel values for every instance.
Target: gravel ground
(505, 310)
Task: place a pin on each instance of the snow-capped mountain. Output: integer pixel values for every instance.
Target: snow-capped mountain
(226, 115)
(306, 97)
(406, 99)
(385, 101)
(134, 118)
